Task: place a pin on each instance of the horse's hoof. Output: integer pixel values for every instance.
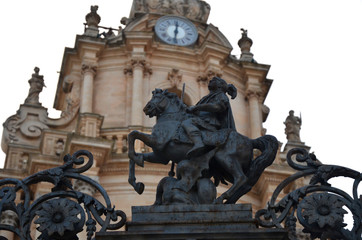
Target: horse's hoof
(157, 203)
(218, 200)
(140, 187)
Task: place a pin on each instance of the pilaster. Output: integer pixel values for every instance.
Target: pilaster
(140, 70)
(254, 96)
(257, 87)
(89, 71)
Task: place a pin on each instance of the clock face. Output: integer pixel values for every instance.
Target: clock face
(176, 31)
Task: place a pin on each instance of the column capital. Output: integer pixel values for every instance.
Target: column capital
(147, 70)
(205, 78)
(89, 67)
(9, 217)
(138, 63)
(253, 93)
(85, 187)
(202, 80)
(128, 70)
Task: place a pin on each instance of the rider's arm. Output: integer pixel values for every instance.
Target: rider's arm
(209, 107)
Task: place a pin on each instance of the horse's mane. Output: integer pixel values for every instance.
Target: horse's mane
(172, 96)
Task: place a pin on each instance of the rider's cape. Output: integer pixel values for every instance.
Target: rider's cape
(223, 119)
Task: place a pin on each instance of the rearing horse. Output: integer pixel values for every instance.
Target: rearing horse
(232, 161)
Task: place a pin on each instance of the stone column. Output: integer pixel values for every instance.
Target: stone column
(255, 113)
(137, 92)
(8, 218)
(128, 72)
(146, 92)
(86, 103)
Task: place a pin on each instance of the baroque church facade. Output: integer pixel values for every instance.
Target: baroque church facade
(107, 78)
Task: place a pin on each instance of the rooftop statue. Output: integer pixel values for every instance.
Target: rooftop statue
(36, 86)
(292, 127)
(203, 142)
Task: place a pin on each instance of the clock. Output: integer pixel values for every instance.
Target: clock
(176, 31)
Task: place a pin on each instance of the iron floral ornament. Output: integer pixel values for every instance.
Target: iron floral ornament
(63, 212)
(319, 207)
(58, 216)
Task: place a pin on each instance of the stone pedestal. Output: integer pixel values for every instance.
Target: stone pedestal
(291, 144)
(193, 222)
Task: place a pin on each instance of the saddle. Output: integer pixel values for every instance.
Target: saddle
(216, 138)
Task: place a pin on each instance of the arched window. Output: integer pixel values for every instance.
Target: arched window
(186, 99)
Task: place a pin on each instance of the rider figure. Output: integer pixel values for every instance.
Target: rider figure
(214, 113)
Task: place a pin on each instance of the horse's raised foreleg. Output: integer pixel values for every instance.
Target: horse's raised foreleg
(147, 139)
(149, 157)
(137, 157)
(138, 187)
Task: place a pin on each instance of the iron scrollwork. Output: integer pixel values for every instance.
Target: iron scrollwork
(63, 212)
(318, 206)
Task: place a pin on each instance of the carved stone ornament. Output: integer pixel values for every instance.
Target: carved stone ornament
(253, 93)
(128, 70)
(192, 9)
(92, 21)
(26, 122)
(9, 218)
(89, 68)
(205, 78)
(31, 119)
(245, 44)
(92, 18)
(174, 77)
(84, 187)
(138, 63)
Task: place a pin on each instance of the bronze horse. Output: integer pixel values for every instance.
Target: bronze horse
(232, 160)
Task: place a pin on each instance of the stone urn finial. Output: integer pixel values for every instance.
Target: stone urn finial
(245, 44)
(92, 21)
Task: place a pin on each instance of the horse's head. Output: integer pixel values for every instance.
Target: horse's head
(159, 102)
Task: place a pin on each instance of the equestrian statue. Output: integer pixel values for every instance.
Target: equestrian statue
(203, 143)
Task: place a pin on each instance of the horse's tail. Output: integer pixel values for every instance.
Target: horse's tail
(268, 145)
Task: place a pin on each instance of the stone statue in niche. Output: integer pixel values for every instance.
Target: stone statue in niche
(203, 142)
(292, 127)
(36, 86)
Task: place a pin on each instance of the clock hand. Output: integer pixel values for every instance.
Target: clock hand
(176, 32)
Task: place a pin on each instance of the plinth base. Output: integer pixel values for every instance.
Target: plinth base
(193, 222)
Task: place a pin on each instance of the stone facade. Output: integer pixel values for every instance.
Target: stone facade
(106, 80)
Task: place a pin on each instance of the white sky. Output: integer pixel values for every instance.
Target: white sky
(314, 49)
